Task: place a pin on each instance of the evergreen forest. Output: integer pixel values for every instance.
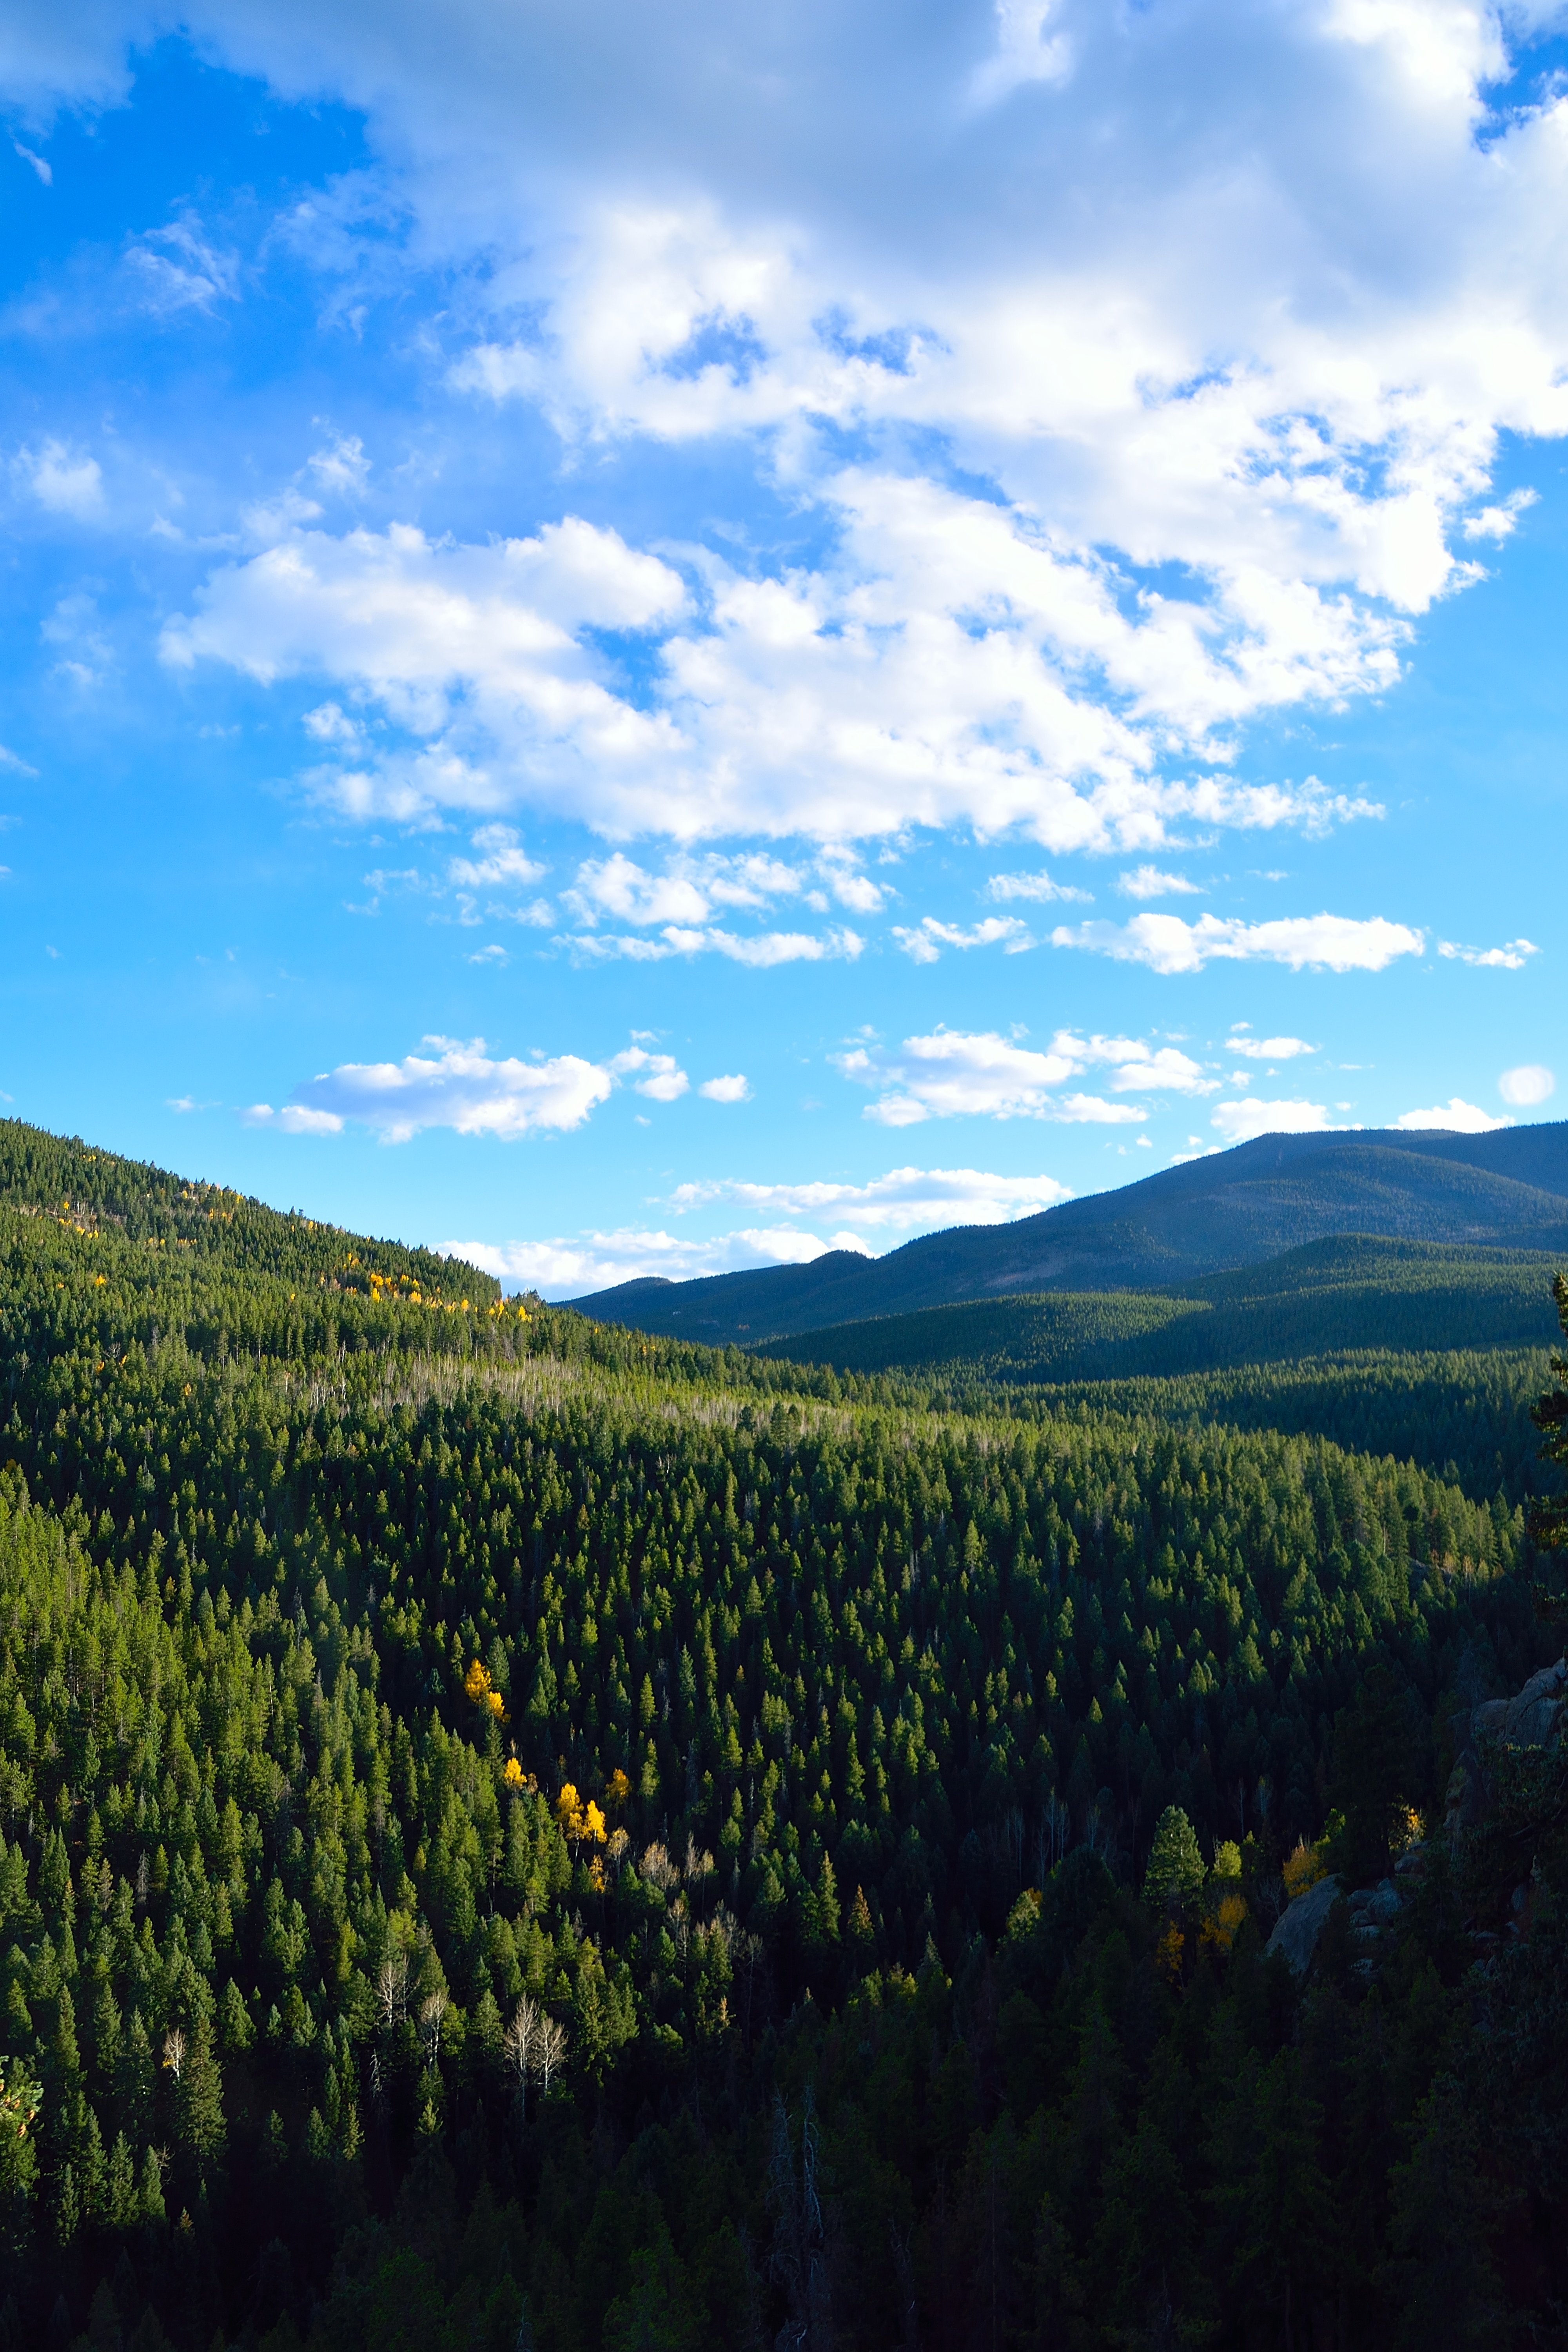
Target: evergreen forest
(515, 1831)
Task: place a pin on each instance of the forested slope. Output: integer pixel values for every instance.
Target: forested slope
(518, 1832)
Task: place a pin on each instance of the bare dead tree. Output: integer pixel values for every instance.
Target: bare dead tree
(521, 2043)
(174, 2052)
(552, 2052)
(432, 2009)
(391, 1988)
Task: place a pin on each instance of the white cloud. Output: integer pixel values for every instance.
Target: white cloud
(1238, 1122)
(928, 676)
(492, 955)
(1510, 957)
(954, 1074)
(18, 766)
(1530, 1084)
(460, 1085)
(342, 468)
(568, 1267)
(1136, 1065)
(662, 1080)
(40, 163)
(499, 862)
(1456, 1114)
(1498, 521)
(1268, 1049)
(1230, 310)
(179, 268)
(736, 1088)
(1032, 885)
(62, 478)
(294, 1118)
(453, 1086)
(1150, 882)
(1168, 944)
(760, 950)
(1026, 51)
(906, 1199)
(330, 723)
(925, 942)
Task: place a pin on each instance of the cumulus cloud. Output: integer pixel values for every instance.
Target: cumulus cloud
(1265, 1049)
(1457, 1115)
(1238, 1122)
(1510, 957)
(905, 1201)
(1229, 310)
(453, 1085)
(1168, 944)
(64, 479)
(1527, 1085)
(927, 676)
(462, 1086)
(953, 1072)
(735, 1088)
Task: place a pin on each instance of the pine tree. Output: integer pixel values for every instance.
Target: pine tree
(1175, 1874)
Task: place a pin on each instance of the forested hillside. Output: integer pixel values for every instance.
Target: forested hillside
(515, 1832)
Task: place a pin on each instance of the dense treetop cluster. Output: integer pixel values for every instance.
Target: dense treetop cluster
(545, 1835)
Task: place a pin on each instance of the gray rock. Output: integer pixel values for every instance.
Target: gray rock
(1297, 1930)
(1530, 1718)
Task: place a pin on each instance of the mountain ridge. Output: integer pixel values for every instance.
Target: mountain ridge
(1507, 1189)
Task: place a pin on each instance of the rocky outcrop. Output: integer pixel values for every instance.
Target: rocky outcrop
(1301, 1923)
(1532, 1719)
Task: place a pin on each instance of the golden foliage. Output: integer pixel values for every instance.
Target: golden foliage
(582, 1823)
(1219, 1931)
(1302, 1869)
(478, 1687)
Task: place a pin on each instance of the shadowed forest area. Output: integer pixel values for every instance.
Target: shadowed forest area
(517, 1832)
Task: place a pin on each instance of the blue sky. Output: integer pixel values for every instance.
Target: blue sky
(651, 643)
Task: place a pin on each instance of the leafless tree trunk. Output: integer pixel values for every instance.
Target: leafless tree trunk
(391, 1988)
(432, 2009)
(174, 2052)
(551, 2051)
(521, 2043)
